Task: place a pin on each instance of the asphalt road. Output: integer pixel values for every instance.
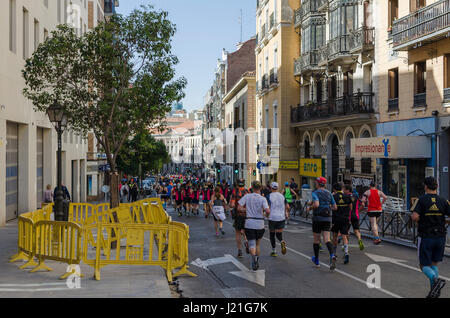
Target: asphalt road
(222, 275)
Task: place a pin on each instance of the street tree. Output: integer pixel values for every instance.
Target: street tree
(142, 153)
(114, 81)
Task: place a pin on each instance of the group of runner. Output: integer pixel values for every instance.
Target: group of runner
(333, 215)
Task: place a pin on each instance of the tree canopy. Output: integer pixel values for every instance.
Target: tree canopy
(114, 80)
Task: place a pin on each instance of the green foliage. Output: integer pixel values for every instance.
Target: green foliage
(115, 80)
(143, 149)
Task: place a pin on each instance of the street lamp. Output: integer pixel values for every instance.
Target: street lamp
(58, 118)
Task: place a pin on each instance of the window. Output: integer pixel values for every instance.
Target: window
(393, 83)
(12, 26)
(36, 34)
(415, 5)
(447, 71)
(25, 34)
(420, 74)
(393, 12)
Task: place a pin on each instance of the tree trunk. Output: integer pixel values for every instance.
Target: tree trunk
(114, 189)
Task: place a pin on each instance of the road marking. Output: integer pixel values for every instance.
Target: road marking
(257, 277)
(337, 270)
(32, 285)
(32, 289)
(399, 262)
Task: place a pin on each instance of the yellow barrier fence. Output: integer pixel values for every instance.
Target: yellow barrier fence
(57, 241)
(144, 232)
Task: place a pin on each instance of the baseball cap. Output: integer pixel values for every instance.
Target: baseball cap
(274, 185)
(286, 184)
(321, 181)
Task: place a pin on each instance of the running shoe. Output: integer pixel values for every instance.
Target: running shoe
(247, 250)
(315, 261)
(222, 231)
(254, 265)
(377, 241)
(283, 248)
(217, 234)
(257, 263)
(361, 244)
(332, 262)
(346, 259)
(274, 254)
(240, 254)
(435, 291)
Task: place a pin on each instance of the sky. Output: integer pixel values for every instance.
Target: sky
(204, 28)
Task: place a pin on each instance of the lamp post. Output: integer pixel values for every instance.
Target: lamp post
(59, 119)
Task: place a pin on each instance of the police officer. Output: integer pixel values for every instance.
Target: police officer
(429, 212)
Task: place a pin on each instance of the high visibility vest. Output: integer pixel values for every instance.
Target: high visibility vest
(288, 195)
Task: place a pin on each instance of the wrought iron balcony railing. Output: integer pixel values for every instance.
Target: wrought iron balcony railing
(446, 94)
(361, 39)
(306, 62)
(265, 82)
(272, 21)
(358, 103)
(393, 105)
(273, 78)
(420, 100)
(428, 22)
(338, 46)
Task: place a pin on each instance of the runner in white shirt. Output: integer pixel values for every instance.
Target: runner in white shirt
(255, 206)
(279, 212)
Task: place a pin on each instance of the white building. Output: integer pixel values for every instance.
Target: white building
(28, 140)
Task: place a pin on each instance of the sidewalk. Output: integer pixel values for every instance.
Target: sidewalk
(116, 280)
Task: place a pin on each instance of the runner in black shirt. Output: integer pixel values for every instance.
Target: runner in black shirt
(429, 212)
(341, 222)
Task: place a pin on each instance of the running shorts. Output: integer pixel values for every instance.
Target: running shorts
(374, 214)
(187, 200)
(355, 223)
(253, 234)
(195, 201)
(321, 226)
(430, 250)
(341, 226)
(178, 202)
(276, 225)
(205, 201)
(239, 222)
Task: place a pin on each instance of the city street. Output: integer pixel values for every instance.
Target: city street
(293, 274)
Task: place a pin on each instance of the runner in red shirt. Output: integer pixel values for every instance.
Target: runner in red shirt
(374, 200)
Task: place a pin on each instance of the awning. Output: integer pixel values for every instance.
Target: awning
(392, 147)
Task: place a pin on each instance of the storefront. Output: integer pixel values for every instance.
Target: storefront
(402, 162)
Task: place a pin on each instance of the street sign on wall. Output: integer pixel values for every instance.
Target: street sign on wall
(310, 167)
(289, 165)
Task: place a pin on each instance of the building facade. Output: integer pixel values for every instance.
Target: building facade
(277, 46)
(27, 138)
(412, 54)
(337, 99)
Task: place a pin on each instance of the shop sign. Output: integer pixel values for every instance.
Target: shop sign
(391, 147)
(289, 165)
(311, 167)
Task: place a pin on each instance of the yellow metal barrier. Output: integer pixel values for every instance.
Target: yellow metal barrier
(25, 241)
(57, 241)
(137, 227)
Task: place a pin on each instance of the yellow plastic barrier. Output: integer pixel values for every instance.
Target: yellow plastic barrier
(25, 241)
(57, 241)
(139, 226)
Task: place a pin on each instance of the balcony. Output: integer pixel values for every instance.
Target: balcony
(420, 100)
(322, 56)
(348, 105)
(427, 24)
(361, 40)
(393, 105)
(446, 95)
(307, 7)
(263, 33)
(264, 82)
(322, 5)
(307, 63)
(273, 78)
(272, 22)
